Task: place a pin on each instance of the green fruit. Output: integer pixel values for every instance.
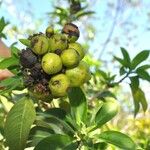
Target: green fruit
(58, 85)
(78, 75)
(49, 31)
(51, 63)
(39, 44)
(106, 112)
(70, 58)
(58, 42)
(78, 48)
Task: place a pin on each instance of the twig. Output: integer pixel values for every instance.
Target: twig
(111, 30)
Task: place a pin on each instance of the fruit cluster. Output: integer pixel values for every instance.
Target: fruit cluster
(53, 62)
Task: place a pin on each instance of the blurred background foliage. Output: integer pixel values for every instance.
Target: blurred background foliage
(105, 26)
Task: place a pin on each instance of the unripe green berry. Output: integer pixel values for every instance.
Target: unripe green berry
(78, 75)
(57, 41)
(78, 48)
(49, 31)
(39, 44)
(51, 63)
(70, 58)
(58, 85)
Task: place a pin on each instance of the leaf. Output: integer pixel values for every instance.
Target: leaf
(140, 57)
(14, 50)
(53, 142)
(82, 14)
(144, 67)
(18, 124)
(3, 23)
(37, 134)
(122, 71)
(126, 57)
(25, 42)
(118, 139)
(78, 104)
(106, 94)
(7, 62)
(71, 146)
(121, 61)
(143, 74)
(134, 85)
(106, 112)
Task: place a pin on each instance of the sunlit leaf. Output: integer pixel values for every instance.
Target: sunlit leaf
(118, 139)
(139, 58)
(18, 124)
(78, 104)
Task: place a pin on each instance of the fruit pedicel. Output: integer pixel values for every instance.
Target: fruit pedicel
(53, 63)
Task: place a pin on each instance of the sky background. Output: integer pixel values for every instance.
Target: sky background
(132, 26)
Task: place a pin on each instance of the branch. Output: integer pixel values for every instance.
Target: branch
(111, 30)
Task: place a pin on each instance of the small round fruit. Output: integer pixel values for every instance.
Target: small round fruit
(78, 48)
(78, 75)
(72, 32)
(49, 31)
(57, 41)
(39, 44)
(58, 85)
(51, 63)
(70, 58)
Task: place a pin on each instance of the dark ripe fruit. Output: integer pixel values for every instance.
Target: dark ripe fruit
(57, 41)
(49, 31)
(78, 48)
(28, 81)
(27, 58)
(70, 58)
(78, 75)
(51, 63)
(72, 32)
(58, 85)
(40, 92)
(39, 44)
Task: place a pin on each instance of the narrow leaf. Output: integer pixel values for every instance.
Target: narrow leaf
(144, 67)
(7, 62)
(118, 139)
(18, 124)
(106, 112)
(140, 57)
(53, 142)
(143, 74)
(126, 57)
(78, 104)
(25, 42)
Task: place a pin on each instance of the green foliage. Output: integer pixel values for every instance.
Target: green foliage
(119, 139)
(3, 24)
(18, 124)
(130, 68)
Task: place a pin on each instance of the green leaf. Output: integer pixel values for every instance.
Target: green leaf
(82, 14)
(71, 146)
(121, 61)
(106, 112)
(18, 124)
(144, 67)
(139, 58)
(118, 139)
(7, 62)
(25, 42)
(3, 23)
(134, 85)
(143, 74)
(37, 134)
(14, 50)
(53, 142)
(122, 71)
(126, 57)
(105, 94)
(78, 104)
